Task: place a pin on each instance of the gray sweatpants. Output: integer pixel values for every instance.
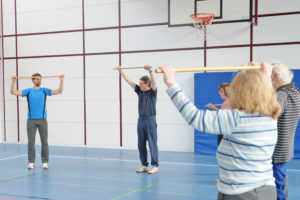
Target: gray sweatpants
(32, 126)
(265, 192)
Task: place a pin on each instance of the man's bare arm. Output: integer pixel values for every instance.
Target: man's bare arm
(127, 78)
(13, 89)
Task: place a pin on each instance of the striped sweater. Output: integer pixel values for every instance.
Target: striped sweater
(245, 153)
(289, 99)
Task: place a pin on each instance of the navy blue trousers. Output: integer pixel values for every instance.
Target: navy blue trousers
(147, 131)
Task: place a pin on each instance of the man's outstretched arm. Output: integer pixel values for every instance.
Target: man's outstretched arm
(61, 86)
(127, 78)
(13, 89)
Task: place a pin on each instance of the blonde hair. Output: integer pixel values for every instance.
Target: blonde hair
(251, 93)
(226, 89)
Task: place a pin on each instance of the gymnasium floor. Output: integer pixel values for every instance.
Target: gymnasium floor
(90, 173)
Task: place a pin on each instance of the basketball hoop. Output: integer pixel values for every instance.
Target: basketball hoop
(201, 20)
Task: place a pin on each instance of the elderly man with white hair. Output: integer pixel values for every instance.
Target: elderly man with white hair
(289, 99)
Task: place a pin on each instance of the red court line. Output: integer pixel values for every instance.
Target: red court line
(2, 38)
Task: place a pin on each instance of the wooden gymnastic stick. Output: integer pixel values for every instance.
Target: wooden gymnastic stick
(20, 77)
(207, 69)
(116, 68)
(214, 105)
(217, 105)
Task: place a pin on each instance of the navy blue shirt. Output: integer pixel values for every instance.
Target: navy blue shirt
(147, 102)
(37, 102)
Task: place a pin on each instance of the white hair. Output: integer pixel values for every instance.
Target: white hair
(283, 72)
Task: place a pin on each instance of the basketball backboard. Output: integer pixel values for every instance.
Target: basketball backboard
(226, 11)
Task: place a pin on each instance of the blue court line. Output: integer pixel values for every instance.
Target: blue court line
(134, 191)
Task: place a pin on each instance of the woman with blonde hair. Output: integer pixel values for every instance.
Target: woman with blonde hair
(249, 133)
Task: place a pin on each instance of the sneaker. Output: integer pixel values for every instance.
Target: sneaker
(153, 170)
(31, 166)
(45, 165)
(143, 169)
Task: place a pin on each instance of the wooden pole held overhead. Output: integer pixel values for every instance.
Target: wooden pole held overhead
(209, 69)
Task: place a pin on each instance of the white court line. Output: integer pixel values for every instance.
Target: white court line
(72, 157)
(293, 170)
(171, 163)
(175, 163)
(8, 158)
(109, 159)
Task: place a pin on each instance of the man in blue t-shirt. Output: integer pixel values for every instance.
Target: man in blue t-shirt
(37, 115)
(147, 127)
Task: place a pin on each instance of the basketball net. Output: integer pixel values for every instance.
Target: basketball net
(201, 20)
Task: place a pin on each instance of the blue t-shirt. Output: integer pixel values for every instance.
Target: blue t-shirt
(147, 102)
(36, 102)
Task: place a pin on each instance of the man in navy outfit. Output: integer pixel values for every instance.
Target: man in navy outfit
(147, 127)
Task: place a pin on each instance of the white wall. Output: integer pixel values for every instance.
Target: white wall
(1, 102)
(1, 88)
(66, 111)
(1, 92)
